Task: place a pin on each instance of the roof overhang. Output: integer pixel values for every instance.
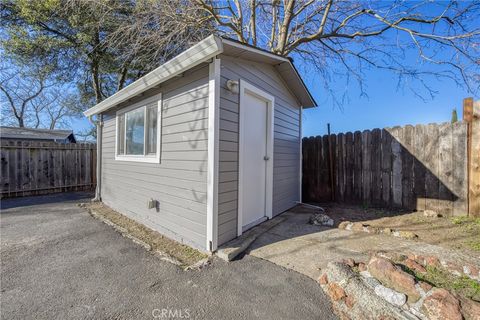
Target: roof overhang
(203, 52)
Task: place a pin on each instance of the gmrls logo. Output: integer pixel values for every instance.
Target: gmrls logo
(165, 313)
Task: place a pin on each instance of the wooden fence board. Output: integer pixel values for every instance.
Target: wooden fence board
(386, 146)
(30, 168)
(4, 172)
(419, 168)
(357, 170)
(431, 163)
(366, 172)
(325, 169)
(445, 170)
(376, 165)
(340, 157)
(333, 141)
(408, 201)
(349, 166)
(397, 136)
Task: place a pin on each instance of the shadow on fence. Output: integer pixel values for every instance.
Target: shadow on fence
(421, 167)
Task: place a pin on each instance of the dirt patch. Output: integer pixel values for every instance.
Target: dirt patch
(186, 255)
(461, 233)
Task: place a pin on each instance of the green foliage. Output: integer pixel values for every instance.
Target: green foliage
(466, 220)
(99, 46)
(475, 245)
(454, 116)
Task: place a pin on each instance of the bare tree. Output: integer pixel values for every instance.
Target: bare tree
(156, 32)
(18, 90)
(347, 37)
(30, 99)
(100, 45)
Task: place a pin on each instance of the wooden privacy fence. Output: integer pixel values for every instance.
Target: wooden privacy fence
(412, 167)
(31, 168)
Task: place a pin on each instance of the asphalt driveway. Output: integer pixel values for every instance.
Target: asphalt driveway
(57, 262)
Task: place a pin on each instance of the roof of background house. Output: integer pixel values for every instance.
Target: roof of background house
(36, 134)
(202, 52)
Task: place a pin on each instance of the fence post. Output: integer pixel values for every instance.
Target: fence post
(471, 115)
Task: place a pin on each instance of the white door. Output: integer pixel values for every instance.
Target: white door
(256, 148)
(255, 151)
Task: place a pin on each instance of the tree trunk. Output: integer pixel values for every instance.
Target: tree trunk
(96, 82)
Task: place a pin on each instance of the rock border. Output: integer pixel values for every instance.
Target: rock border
(382, 290)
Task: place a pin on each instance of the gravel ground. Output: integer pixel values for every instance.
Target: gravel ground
(57, 262)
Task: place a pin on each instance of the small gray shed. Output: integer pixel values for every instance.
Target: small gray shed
(205, 146)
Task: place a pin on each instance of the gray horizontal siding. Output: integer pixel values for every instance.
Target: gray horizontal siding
(286, 141)
(179, 181)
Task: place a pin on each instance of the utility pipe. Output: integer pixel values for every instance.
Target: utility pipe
(98, 189)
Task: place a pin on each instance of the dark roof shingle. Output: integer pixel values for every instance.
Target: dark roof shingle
(34, 134)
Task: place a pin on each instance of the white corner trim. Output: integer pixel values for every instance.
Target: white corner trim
(270, 100)
(300, 174)
(142, 104)
(213, 154)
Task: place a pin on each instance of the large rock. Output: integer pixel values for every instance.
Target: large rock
(431, 214)
(393, 277)
(470, 309)
(335, 291)
(345, 224)
(390, 295)
(405, 234)
(358, 300)
(321, 219)
(415, 266)
(441, 305)
(358, 226)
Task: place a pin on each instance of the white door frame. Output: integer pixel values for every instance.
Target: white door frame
(270, 100)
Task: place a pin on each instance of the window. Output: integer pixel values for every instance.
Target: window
(138, 133)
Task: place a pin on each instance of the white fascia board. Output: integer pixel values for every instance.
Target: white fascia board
(255, 50)
(200, 52)
(290, 73)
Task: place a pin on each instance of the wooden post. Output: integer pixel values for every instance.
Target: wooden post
(471, 115)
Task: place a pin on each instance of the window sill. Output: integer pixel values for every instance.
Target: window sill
(154, 159)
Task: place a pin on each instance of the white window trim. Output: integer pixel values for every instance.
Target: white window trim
(270, 100)
(142, 104)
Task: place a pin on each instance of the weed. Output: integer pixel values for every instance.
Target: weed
(466, 220)
(475, 245)
(439, 277)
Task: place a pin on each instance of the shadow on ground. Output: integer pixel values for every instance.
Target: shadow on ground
(10, 203)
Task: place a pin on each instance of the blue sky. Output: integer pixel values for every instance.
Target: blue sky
(386, 106)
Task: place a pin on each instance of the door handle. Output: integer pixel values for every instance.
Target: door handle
(266, 158)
